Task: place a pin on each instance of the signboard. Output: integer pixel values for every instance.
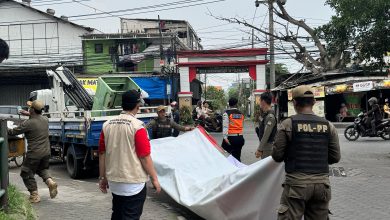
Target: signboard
(363, 86)
(385, 84)
(337, 89)
(318, 108)
(319, 92)
(353, 101)
(222, 69)
(89, 83)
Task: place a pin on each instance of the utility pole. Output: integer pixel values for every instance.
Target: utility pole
(253, 36)
(271, 43)
(205, 86)
(161, 44)
(271, 37)
(162, 58)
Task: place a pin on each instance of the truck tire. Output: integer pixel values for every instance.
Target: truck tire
(74, 165)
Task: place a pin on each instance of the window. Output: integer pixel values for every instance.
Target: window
(98, 48)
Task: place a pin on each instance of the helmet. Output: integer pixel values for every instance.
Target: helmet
(373, 101)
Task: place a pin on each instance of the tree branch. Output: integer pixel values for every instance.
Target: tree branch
(284, 15)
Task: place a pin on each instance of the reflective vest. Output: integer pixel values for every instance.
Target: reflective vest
(308, 152)
(162, 129)
(122, 162)
(236, 121)
(262, 128)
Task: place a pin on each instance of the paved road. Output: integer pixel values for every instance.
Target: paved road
(363, 194)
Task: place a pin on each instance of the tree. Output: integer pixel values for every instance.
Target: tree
(360, 27)
(233, 93)
(216, 97)
(280, 70)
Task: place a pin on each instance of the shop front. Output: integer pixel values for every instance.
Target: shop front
(331, 97)
(354, 95)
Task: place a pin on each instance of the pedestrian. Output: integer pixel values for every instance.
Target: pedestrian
(386, 108)
(4, 50)
(175, 117)
(307, 144)
(199, 110)
(125, 161)
(162, 126)
(343, 112)
(233, 121)
(36, 130)
(267, 127)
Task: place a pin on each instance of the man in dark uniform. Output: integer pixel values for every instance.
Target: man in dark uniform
(175, 117)
(233, 121)
(4, 50)
(36, 130)
(307, 144)
(374, 115)
(162, 126)
(267, 126)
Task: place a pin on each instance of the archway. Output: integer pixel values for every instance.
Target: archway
(250, 61)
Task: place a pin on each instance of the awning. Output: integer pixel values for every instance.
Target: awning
(156, 87)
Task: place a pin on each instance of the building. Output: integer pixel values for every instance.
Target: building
(139, 47)
(185, 33)
(38, 40)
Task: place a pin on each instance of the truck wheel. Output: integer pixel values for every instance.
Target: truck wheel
(73, 165)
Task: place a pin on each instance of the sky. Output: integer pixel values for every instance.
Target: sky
(215, 34)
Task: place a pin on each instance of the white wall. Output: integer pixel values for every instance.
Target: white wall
(36, 39)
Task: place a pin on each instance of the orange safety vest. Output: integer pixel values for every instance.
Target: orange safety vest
(236, 121)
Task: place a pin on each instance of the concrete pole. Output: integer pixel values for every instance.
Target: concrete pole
(271, 42)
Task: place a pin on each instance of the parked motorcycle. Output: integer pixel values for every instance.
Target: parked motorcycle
(359, 129)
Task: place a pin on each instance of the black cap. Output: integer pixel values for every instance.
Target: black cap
(131, 97)
(4, 50)
(233, 101)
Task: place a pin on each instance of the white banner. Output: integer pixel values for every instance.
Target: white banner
(194, 172)
(363, 86)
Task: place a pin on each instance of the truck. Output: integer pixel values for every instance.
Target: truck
(76, 117)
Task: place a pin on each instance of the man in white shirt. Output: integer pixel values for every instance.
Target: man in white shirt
(124, 160)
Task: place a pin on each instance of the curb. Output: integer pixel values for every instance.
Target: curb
(342, 125)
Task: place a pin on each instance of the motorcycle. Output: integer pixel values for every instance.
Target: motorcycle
(208, 125)
(359, 128)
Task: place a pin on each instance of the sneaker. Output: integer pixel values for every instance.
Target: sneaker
(34, 197)
(52, 187)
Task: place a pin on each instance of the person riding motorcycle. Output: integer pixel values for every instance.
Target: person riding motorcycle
(374, 115)
(203, 113)
(386, 108)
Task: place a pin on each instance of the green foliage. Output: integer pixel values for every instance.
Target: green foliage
(19, 206)
(363, 25)
(186, 116)
(280, 70)
(233, 93)
(217, 98)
